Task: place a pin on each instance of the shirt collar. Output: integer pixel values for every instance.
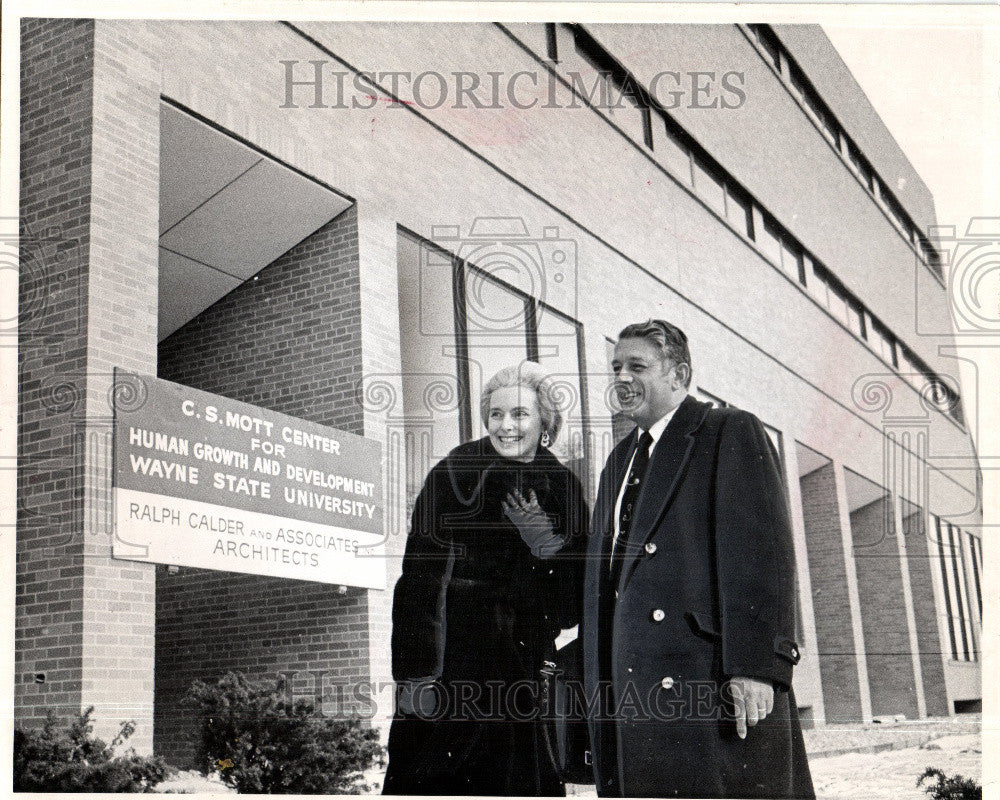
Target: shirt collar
(657, 428)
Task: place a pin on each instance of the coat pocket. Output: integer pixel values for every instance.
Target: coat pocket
(701, 625)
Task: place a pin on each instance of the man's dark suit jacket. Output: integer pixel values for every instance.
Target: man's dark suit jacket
(706, 593)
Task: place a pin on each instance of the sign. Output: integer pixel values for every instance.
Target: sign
(204, 481)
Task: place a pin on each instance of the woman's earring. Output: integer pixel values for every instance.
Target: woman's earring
(546, 439)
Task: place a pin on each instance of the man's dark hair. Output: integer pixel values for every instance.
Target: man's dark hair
(669, 339)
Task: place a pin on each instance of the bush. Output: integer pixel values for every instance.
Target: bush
(957, 788)
(260, 743)
(72, 760)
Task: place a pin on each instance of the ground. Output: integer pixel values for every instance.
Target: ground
(872, 762)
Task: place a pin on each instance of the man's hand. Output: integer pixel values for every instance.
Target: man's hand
(418, 697)
(753, 700)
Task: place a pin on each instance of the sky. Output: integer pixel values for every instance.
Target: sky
(941, 101)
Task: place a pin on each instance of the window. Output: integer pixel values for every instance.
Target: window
(816, 282)
(909, 367)
(739, 211)
(769, 42)
(501, 326)
(791, 259)
(538, 36)
(837, 305)
(896, 212)
(945, 399)
(798, 80)
(709, 186)
(952, 561)
(672, 152)
(884, 344)
(847, 310)
(861, 166)
(856, 320)
(627, 111)
(955, 407)
(770, 241)
(551, 45)
(976, 560)
(497, 335)
(815, 107)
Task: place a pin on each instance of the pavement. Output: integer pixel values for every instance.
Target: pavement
(848, 762)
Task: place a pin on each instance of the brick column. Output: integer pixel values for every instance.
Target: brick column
(921, 561)
(90, 170)
(831, 568)
(888, 649)
(382, 394)
(911, 620)
(54, 239)
(808, 684)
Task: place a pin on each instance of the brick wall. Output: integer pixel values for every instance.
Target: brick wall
(828, 574)
(56, 99)
(883, 610)
(289, 341)
(920, 564)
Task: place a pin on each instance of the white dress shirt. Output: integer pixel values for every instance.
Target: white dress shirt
(656, 431)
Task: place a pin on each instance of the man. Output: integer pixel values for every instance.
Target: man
(689, 595)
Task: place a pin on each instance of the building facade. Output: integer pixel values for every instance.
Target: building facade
(358, 223)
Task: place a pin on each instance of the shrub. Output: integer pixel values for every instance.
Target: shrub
(957, 788)
(261, 743)
(70, 759)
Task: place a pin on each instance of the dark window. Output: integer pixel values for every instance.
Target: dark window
(769, 42)
(709, 185)
(884, 344)
(671, 151)
(770, 240)
(739, 210)
(946, 586)
(550, 42)
(975, 556)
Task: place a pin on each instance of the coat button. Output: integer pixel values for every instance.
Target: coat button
(795, 653)
(650, 548)
(659, 615)
(667, 683)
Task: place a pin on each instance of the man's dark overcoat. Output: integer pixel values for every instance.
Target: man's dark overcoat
(706, 593)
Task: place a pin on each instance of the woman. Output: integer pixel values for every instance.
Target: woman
(491, 574)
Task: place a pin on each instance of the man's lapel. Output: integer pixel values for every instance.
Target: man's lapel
(666, 465)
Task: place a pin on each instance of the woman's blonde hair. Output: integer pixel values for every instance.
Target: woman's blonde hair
(533, 376)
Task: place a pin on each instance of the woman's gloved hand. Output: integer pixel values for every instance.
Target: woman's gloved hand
(419, 697)
(532, 523)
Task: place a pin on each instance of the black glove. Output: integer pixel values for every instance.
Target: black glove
(532, 523)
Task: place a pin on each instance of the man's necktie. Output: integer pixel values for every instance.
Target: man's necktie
(633, 484)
